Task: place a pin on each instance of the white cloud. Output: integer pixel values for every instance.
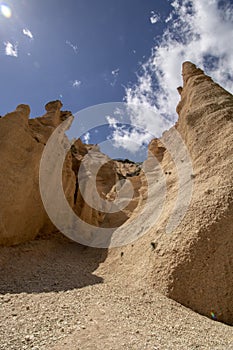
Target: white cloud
(132, 139)
(168, 18)
(115, 72)
(86, 137)
(76, 83)
(28, 33)
(111, 121)
(154, 18)
(127, 136)
(11, 49)
(74, 47)
(197, 31)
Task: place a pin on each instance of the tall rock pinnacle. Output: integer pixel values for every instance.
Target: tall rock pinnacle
(197, 263)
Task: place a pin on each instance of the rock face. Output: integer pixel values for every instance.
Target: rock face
(193, 264)
(92, 186)
(200, 257)
(22, 140)
(99, 174)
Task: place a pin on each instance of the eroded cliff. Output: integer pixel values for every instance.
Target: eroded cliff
(192, 262)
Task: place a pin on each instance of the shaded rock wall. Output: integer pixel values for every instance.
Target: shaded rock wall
(22, 141)
(107, 182)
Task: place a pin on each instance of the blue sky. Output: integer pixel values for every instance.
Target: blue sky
(89, 52)
(82, 51)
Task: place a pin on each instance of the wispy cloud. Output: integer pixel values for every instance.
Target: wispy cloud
(74, 47)
(28, 33)
(112, 122)
(154, 18)
(169, 17)
(196, 30)
(76, 83)
(127, 137)
(115, 74)
(11, 49)
(86, 137)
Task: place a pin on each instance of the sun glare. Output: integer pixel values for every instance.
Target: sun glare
(5, 10)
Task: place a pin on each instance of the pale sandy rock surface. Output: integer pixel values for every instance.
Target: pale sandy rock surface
(193, 264)
(199, 259)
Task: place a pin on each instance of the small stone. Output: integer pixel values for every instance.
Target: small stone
(28, 338)
(6, 299)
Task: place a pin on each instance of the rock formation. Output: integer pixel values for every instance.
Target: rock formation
(193, 263)
(105, 182)
(187, 255)
(199, 265)
(22, 216)
(22, 140)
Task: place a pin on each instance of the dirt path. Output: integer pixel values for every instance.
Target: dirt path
(55, 294)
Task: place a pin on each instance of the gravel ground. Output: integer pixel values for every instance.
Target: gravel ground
(53, 296)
